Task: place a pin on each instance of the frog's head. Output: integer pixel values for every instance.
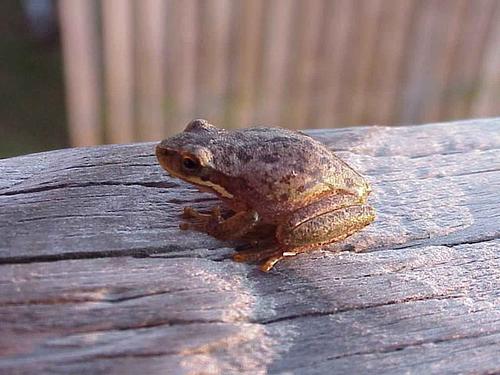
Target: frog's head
(188, 157)
(185, 155)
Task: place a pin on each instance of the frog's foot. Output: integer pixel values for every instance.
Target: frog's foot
(198, 221)
(270, 262)
(191, 213)
(267, 257)
(233, 228)
(253, 255)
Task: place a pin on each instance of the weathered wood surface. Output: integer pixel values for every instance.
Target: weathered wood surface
(96, 277)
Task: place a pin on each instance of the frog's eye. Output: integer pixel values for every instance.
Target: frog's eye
(190, 164)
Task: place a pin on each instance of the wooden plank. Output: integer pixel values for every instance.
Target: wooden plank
(97, 278)
(441, 308)
(81, 71)
(119, 70)
(93, 190)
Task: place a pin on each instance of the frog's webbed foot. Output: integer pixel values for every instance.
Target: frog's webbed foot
(232, 228)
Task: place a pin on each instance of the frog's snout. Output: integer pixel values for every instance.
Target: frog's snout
(163, 155)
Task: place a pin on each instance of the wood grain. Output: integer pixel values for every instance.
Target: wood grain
(96, 277)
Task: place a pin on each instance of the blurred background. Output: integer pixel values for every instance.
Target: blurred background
(85, 72)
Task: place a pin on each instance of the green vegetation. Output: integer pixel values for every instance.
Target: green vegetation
(32, 112)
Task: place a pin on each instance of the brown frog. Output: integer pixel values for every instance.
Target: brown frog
(281, 184)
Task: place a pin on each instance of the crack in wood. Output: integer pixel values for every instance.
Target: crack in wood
(138, 252)
(153, 184)
(314, 314)
(400, 347)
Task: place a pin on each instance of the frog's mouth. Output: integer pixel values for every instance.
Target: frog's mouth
(206, 185)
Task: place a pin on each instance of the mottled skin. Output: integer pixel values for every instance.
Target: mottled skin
(275, 180)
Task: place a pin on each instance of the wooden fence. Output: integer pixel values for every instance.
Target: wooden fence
(139, 70)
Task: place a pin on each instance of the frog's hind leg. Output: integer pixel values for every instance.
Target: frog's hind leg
(320, 223)
(325, 228)
(294, 238)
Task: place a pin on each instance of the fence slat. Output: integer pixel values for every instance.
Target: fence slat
(293, 63)
(464, 66)
(246, 29)
(150, 69)
(434, 39)
(382, 87)
(212, 60)
(118, 64)
(272, 76)
(365, 54)
(452, 22)
(487, 101)
(182, 30)
(305, 34)
(338, 21)
(80, 52)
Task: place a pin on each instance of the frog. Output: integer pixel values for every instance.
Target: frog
(287, 193)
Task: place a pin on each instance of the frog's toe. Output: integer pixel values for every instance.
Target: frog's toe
(253, 255)
(270, 262)
(190, 213)
(184, 226)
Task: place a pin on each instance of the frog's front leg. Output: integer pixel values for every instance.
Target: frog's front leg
(232, 228)
(325, 221)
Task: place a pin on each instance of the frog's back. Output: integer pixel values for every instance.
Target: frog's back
(284, 167)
